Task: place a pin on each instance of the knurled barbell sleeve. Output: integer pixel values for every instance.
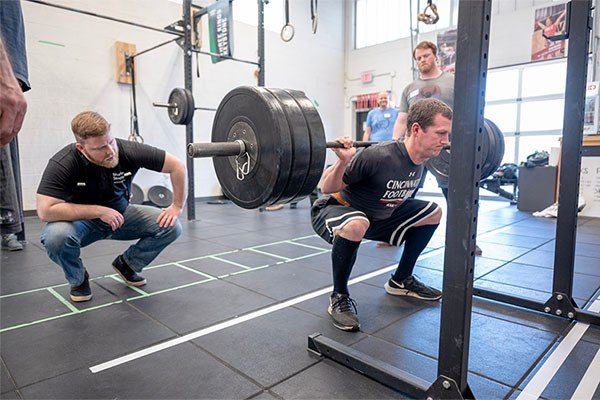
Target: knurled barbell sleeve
(216, 149)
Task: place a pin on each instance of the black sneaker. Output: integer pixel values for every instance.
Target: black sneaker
(412, 287)
(83, 291)
(129, 276)
(343, 312)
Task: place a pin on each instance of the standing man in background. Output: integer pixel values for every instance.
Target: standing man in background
(14, 81)
(381, 120)
(432, 83)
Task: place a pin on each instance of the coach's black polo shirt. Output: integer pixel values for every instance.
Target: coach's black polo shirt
(71, 177)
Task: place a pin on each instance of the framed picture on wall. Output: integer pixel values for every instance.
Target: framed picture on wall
(549, 22)
(446, 43)
(591, 125)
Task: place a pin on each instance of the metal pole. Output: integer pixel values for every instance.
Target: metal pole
(92, 14)
(189, 128)
(261, 42)
(463, 199)
(152, 48)
(580, 24)
(208, 53)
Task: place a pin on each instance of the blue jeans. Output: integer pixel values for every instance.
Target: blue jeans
(63, 240)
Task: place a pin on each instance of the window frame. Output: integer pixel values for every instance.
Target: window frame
(453, 20)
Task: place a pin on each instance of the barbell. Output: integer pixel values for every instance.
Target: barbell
(181, 106)
(268, 147)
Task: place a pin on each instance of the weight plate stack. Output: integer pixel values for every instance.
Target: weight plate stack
(254, 109)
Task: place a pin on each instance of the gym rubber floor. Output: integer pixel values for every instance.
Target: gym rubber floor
(228, 308)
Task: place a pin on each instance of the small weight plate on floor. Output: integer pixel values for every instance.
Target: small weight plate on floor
(160, 196)
(137, 194)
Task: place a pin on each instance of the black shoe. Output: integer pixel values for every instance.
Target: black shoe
(129, 276)
(343, 312)
(412, 287)
(83, 291)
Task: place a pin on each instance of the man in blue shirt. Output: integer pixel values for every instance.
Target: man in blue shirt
(381, 120)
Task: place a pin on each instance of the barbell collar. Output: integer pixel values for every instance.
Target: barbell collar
(216, 149)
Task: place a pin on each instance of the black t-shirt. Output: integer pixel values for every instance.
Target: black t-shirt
(380, 178)
(71, 177)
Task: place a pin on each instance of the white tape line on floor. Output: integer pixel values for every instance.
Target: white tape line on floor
(544, 375)
(235, 321)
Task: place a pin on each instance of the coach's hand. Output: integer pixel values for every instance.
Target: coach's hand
(112, 217)
(168, 216)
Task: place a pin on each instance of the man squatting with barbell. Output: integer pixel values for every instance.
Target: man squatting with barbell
(368, 195)
(84, 196)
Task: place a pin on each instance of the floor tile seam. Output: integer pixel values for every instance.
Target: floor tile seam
(587, 304)
(550, 268)
(287, 378)
(411, 313)
(513, 260)
(494, 269)
(433, 358)
(151, 318)
(255, 292)
(249, 378)
(27, 385)
(226, 364)
(33, 265)
(482, 313)
(590, 341)
(201, 237)
(575, 253)
(12, 379)
(528, 288)
(269, 392)
(531, 371)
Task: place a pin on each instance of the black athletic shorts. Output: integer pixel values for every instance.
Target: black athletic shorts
(328, 215)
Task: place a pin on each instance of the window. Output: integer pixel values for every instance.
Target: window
(540, 80)
(503, 115)
(380, 21)
(527, 104)
(246, 11)
(502, 85)
(542, 115)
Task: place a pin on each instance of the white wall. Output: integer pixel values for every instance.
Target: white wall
(72, 66)
(510, 43)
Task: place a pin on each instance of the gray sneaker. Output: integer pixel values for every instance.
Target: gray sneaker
(343, 312)
(412, 287)
(10, 243)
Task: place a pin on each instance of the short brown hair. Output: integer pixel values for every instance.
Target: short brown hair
(426, 45)
(423, 112)
(89, 124)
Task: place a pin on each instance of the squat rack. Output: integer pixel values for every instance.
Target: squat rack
(183, 30)
(463, 203)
